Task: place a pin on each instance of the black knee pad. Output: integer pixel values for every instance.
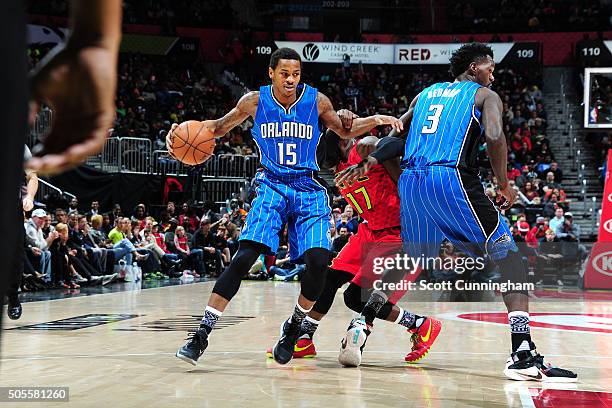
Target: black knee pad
(316, 260)
(355, 298)
(334, 280)
(229, 281)
(512, 269)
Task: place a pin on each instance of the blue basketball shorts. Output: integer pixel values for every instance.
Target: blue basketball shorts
(440, 202)
(301, 202)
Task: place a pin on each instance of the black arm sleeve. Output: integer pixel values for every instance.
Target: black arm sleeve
(388, 148)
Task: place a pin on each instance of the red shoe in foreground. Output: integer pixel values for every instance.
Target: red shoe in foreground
(304, 348)
(422, 339)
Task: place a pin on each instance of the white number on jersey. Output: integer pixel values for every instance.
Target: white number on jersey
(286, 154)
(434, 118)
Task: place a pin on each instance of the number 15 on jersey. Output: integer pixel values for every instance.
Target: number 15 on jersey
(287, 154)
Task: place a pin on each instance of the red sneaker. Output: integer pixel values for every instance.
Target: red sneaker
(422, 339)
(304, 348)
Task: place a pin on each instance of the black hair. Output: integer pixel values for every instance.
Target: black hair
(284, 53)
(468, 53)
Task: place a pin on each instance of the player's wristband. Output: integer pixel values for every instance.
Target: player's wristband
(388, 148)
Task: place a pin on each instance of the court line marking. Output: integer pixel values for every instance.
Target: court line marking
(453, 316)
(134, 291)
(257, 352)
(525, 396)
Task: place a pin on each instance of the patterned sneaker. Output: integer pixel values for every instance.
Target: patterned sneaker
(194, 348)
(284, 348)
(422, 339)
(304, 348)
(351, 347)
(529, 365)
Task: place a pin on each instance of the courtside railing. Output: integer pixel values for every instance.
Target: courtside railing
(136, 155)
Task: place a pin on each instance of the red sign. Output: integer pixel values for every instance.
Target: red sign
(598, 273)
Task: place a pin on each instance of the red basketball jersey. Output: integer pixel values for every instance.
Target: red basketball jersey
(374, 197)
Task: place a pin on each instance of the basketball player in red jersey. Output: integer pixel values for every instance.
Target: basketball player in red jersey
(375, 199)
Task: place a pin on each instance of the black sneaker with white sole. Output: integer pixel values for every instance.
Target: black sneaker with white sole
(194, 348)
(529, 365)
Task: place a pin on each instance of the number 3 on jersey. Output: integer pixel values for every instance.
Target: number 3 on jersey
(286, 154)
(433, 118)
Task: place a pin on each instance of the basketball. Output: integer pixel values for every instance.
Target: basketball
(192, 143)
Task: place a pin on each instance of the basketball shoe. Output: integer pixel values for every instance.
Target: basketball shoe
(351, 347)
(422, 339)
(194, 348)
(529, 365)
(304, 348)
(283, 349)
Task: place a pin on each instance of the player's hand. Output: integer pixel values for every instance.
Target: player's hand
(27, 204)
(507, 197)
(170, 139)
(78, 83)
(346, 116)
(397, 124)
(36, 251)
(352, 173)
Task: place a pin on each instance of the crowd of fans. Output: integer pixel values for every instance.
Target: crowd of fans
(530, 15)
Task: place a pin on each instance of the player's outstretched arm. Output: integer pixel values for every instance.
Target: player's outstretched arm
(246, 106)
(497, 149)
(330, 119)
(382, 151)
(406, 118)
(78, 82)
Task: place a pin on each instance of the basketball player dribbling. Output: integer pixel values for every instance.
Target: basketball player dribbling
(442, 196)
(375, 198)
(286, 129)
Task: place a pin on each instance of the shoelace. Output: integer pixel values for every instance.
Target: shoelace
(195, 337)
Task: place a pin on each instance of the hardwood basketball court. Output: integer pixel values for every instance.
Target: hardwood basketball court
(117, 350)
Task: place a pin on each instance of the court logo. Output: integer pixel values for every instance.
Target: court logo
(602, 263)
(310, 52)
(608, 225)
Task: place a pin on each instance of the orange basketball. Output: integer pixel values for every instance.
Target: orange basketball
(192, 143)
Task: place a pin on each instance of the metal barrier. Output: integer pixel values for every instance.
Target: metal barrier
(218, 191)
(40, 127)
(135, 155)
(45, 188)
(229, 166)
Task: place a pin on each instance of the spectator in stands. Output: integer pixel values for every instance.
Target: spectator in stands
(237, 213)
(549, 256)
(283, 268)
(558, 220)
(140, 213)
(221, 244)
(38, 244)
(341, 240)
(94, 210)
(73, 207)
(537, 233)
(193, 257)
(47, 227)
(569, 235)
(556, 171)
(119, 238)
(205, 241)
(61, 216)
(62, 271)
(349, 220)
(188, 219)
(116, 214)
(107, 225)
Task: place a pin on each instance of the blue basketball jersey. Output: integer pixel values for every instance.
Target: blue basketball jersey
(445, 128)
(287, 138)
